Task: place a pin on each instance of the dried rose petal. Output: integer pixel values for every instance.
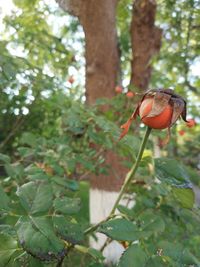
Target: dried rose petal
(160, 102)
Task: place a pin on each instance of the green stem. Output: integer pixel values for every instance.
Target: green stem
(127, 181)
(94, 227)
(132, 172)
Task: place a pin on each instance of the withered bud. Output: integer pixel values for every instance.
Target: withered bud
(158, 109)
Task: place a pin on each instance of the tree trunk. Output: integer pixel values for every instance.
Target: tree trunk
(102, 55)
(101, 47)
(146, 41)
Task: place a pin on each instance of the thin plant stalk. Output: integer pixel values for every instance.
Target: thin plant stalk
(127, 181)
(132, 171)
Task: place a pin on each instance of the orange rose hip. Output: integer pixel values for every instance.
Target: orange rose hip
(160, 121)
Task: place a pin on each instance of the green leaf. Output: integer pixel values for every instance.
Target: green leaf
(4, 158)
(40, 176)
(87, 164)
(189, 258)
(35, 197)
(32, 169)
(185, 196)
(25, 3)
(150, 222)
(95, 264)
(36, 235)
(157, 261)
(4, 203)
(126, 211)
(8, 246)
(68, 231)
(172, 172)
(67, 183)
(131, 141)
(25, 151)
(96, 254)
(57, 169)
(178, 253)
(121, 229)
(7, 229)
(67, 205)
(33, 262)
(10, 170)
(107, 126)
(15, 170)
(134, 256)
(28, 139)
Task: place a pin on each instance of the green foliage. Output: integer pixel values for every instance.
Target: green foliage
(67, 205)
(178, 253)
(172, 172)
(35, 197)
(4, 204)
(36, 235)
(68, 230)
(185, 197)
(134, 256)
(8, 249)
(121, 229)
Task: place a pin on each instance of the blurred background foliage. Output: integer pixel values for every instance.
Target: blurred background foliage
(49, 139)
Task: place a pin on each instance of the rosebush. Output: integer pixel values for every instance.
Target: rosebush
(43, 206)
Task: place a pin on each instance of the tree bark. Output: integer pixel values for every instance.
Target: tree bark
(101, 47)
(102, 55)
(102, 70)
(146, 41)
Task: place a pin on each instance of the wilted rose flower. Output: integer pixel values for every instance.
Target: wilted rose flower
(158, 109)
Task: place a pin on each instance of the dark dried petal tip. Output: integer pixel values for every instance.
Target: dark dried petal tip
(178, 103)
(178, 107)
(184, 113)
